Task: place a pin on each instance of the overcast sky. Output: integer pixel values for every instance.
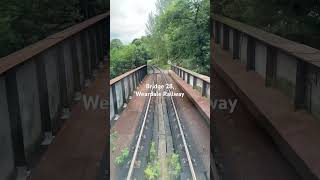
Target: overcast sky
(128, 18)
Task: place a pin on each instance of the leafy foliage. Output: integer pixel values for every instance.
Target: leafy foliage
(153, 151)
(122, 157)
(174, 164)
(179, 33)
(23, 22)
(152, 171)
(293, 19)
(113, 138)
(127, 57)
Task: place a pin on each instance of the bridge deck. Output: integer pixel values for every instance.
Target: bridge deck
(79, 146)
(295, 132)
(197, 128)
(124, 128)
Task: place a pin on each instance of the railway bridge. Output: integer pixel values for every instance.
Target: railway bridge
(46, 131)
(158, 117)
(274, 131)
(56, 111)
(50, 129)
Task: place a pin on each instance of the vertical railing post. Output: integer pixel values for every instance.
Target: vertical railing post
(236, 44)
(7, 151)
(271, 66)
(225, 43)
(84, 55)
(96, 44)
(184, 75)
(300, 87)
(129, 85)
(204, 88)
(15, 118)
(107, 32)
(123, 91)
(134, 80)
(43, 95)
(251, 54)
(75, 65)
(88, 49)
(114, 99)
(194, 82)
(51, 62)
(217, 34)
(62, 77)
(93, 48)
(100, 45)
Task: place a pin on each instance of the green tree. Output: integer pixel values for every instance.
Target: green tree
(293, 19)
(179, 33)
(23, 22)
(115, 44)
(126, 57)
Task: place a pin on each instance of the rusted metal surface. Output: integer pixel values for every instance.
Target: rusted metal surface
(126, 125)
(200, 76)
(195, 126)
(304, 52)
(295, 133)
(118, 78)
(242, 149)
(199, 101)
(30, 51)
(79, 146)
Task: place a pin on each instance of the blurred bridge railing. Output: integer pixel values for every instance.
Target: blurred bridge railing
(122, 87)
(198, 81)
(38, 85)
(291, 67)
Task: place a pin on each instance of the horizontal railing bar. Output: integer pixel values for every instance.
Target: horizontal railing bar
(122, 76)
(301, 51)
(20, 56)
(199, 76)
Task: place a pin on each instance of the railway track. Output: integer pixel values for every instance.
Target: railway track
(177, 125)
(168, 135)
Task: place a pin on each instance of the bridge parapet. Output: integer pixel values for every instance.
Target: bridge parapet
(198, 81)
(40, 82)
(122, 87)
(291, 67)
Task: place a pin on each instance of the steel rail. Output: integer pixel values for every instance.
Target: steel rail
(140, 135)
(181, 131)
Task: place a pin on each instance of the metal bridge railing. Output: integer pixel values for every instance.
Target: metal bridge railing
(291, 67)
(122, 87)
(198, 81)
(40, 82)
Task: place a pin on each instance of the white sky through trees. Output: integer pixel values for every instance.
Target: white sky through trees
(128, 18)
